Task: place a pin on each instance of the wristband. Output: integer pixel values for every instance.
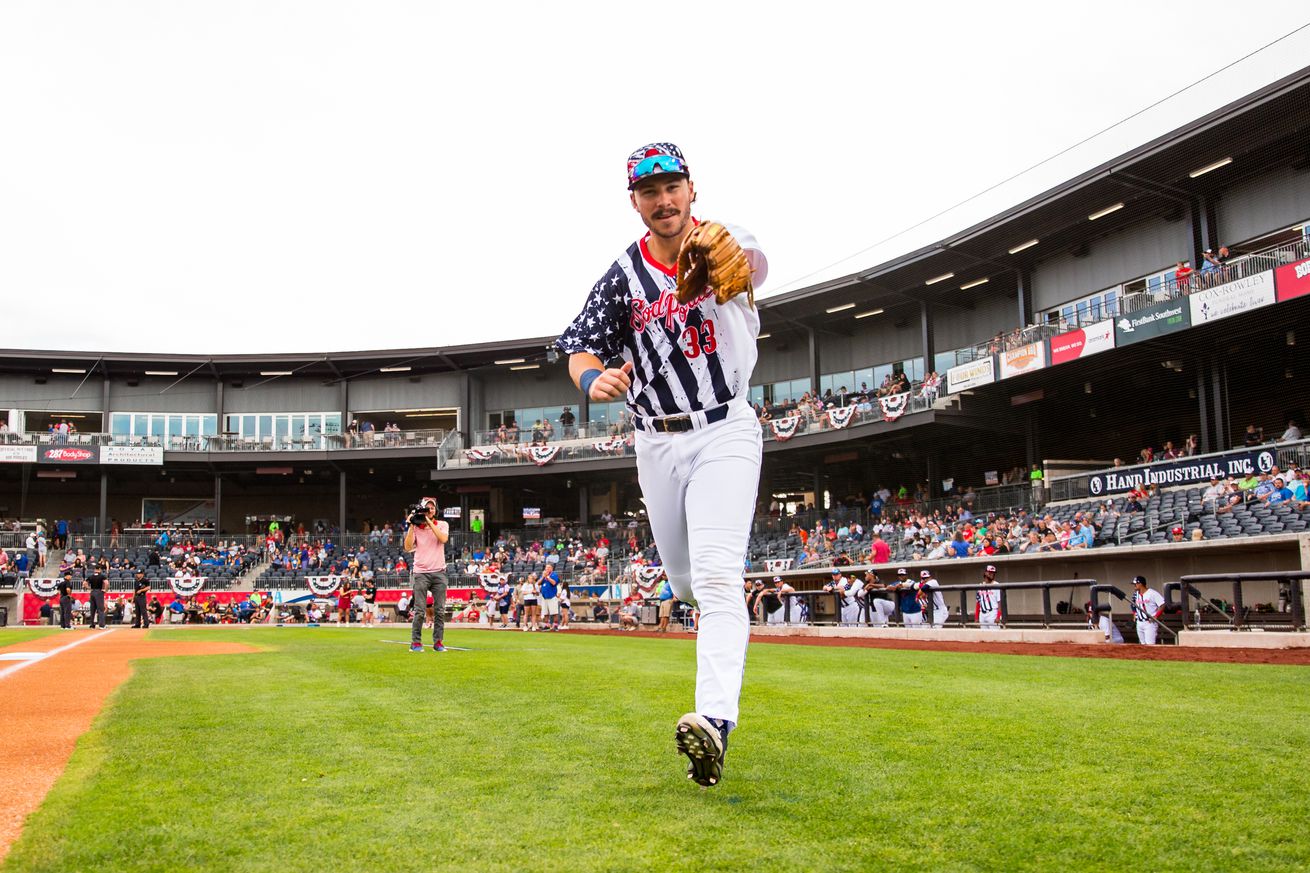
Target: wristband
(585, 380)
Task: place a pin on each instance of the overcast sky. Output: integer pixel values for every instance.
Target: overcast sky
(321, 176)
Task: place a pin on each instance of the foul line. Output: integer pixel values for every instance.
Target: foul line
(9, 671)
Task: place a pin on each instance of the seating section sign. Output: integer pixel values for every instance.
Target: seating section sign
(1080, 343)
(1293, 280)
(1232, 298)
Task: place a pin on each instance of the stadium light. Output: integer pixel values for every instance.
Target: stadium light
(71, 371)
(275, 372)
(831, 309)
(395, 370)
(509, 361)
(1208, 167)
(1104, 212)
(942, 278)
(161, 372)
(975, 283)
(1021, 246)
(527, 367)
(870, 312)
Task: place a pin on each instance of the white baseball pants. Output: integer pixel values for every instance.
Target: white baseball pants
(1146, 632)
(912, 619)
(852, 613)
(882, 612)
(699, 488)
(939, 617)
(990, 620)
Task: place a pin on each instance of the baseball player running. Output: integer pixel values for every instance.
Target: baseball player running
(684, 368)
(987, 606)
(1148, 606)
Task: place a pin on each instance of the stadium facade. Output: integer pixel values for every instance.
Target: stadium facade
(1060, 329)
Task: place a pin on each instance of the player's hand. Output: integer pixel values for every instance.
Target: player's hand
(612, 384)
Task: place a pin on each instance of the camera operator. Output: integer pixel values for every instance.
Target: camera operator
(426, 537)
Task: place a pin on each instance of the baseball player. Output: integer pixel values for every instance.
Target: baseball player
(881, 607)
(852, 600)
(940, 611)
(684, 370)
(774, 600)
(1106, 625)
(987, 606)
(907, 598)
(1148, 606)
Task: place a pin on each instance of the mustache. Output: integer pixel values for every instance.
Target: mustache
(666, 213)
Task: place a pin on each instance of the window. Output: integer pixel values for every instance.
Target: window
(120, 424)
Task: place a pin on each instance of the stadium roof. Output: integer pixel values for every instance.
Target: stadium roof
(1257, 132)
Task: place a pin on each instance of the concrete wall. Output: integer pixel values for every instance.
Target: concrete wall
(57, 394)
(955, 328)
(284, 394)
(1134, 252)
(196, 394)
(1271, 202)
(399, 392)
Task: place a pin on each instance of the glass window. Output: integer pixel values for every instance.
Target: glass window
(1094, 308)
(1111, 303)
(248, 426)
(862, 377)
(942, 361)
(332, 422)
(120, 424)
(281, 427)
(140, 425)
(1081, 309)
(156, 425)
(757, 394)
(174, 425)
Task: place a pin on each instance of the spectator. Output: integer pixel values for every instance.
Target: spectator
(1183, 277)
(1280, 493)
(1292, 433)
(959, 548)
(630, 614)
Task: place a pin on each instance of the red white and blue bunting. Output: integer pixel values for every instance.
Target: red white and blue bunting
(323, 585)
(491, 581)
(841, 416)
(480, 454)
(186, 586)
(542, 455)
(894, 406)
(612, 445)
(775, 565)
(648, 579)
(785, 428)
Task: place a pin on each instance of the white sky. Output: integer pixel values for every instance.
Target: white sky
(321, 176)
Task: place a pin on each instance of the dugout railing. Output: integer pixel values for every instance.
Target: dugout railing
(825, 607)
(1196, 601)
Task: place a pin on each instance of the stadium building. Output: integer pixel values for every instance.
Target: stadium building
(1058, 335)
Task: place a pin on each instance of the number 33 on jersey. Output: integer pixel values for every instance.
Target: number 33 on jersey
(684, 358)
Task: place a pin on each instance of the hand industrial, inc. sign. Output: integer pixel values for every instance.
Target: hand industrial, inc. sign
(1185, 471)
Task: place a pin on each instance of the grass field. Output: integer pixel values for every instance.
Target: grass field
(334, 751)
(11, 635)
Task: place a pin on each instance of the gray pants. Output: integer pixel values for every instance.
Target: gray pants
(435, 584)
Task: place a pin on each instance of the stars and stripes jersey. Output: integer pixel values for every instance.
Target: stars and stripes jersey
(685, 358)
(1145, 606)
(989, 601)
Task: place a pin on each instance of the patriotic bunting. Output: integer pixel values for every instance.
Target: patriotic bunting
(613, 444)
(648, 579)
(841, 416)
(894, 406)
(479, 454)
(542, 455)
(785, 428)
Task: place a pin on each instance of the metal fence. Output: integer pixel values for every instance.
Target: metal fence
(231, 442)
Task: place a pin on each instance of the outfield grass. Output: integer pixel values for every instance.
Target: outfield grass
(336, 752)
(10, 636)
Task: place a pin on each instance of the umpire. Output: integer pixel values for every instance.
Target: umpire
(66, 600)
(140, 590)
(95, 583)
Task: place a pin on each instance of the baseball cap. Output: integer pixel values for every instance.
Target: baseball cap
(924, 574)
(1139, 580)
(777, 578)
(902, 572)
(1177, 530)
(654, 159)
(836, 572)
(990, 568)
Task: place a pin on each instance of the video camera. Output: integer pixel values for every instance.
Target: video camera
(417, 513)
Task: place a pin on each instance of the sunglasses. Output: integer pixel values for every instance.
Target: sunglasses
(655, 165)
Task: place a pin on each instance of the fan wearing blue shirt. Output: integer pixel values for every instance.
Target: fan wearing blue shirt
(549, 597)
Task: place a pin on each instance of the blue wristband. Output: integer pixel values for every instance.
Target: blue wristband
(585, 380)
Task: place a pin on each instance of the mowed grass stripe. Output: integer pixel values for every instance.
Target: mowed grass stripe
(13, 636)
(544, 751)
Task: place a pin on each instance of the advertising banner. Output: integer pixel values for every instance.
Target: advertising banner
(142, 456)
(1023, 359)
(1185, 471)
(17, 454)
(1153, 321)
(68, 454)
(1232, 298)
(1080, 343)
(970, 375)
(1293, 280)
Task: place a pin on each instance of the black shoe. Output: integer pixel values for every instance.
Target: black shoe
(705, 743)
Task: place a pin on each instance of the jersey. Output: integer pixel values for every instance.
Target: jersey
(685, 357)
(988, 601)
(1145, 606)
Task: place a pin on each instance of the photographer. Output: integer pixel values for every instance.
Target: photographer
(426, 537)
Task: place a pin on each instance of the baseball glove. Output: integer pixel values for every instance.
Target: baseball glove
(711, 259)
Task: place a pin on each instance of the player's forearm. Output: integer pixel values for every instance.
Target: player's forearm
(581, 362)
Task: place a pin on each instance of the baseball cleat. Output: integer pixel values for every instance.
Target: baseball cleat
(439, 647)
(416, 647)
(705, 745)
